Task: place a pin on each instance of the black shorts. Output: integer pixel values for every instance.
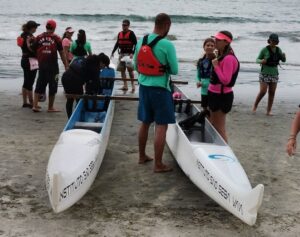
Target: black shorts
(72, 83)
(204, 101)
(47, 76)
(221, 102)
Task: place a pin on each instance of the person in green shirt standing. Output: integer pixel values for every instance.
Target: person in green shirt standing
(269, 58)
(155, 60)
(81, 47)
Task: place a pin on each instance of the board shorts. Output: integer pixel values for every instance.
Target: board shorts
(221, 102)
(122, 65)
(46, 77)
(155, 105)
(268, 78)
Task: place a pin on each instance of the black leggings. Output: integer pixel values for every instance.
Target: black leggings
(29, 76)
(69, 106)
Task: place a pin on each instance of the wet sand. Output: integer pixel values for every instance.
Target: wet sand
(128, 199)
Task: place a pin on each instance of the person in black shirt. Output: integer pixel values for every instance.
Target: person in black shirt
(28, 61)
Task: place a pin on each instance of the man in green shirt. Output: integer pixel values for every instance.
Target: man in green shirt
(155, 103)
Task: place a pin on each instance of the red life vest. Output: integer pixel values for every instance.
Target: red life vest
(20, 41)
(124, 42)
(147, 63)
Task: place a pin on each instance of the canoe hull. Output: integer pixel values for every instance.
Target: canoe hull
(76, 158)
(212, 166)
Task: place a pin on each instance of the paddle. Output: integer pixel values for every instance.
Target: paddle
(129, 98)
(128, 79)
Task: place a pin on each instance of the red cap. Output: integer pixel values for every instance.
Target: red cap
(51, 24)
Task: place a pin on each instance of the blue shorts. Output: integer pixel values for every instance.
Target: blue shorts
(155, 104)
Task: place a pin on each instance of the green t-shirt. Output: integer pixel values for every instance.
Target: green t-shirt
(204, 84)
(265, 54)
(165, 52)
(87, 47)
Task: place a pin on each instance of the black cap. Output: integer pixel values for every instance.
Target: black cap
(274, 37)
(32, 24)
(126, 21)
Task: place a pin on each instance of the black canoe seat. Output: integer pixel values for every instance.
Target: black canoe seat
(89, 125)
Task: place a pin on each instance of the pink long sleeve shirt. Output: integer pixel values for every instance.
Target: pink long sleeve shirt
(225, 69)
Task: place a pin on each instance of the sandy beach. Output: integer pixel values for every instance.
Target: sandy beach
(128, 199)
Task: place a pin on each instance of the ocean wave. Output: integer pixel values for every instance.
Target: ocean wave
(293, 36)
(139, 18)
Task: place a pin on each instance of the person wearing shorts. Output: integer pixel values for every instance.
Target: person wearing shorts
(269, 58)
(156, 105)
(125, 43)
(155, 97)
(223, 77)
(47, 44)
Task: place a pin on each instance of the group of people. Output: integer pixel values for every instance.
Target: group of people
(154, 58)
(40, 53)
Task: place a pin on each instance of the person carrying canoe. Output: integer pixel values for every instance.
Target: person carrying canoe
(292, 140)
(224, 74)
(155, 98)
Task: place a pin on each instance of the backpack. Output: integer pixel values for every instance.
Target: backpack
(274, 58)
(147, 63)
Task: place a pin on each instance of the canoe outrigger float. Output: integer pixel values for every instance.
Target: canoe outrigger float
(211, 165)
(79, 151)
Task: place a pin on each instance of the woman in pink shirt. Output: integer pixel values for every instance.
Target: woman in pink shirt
(66, 43)
(220, 94)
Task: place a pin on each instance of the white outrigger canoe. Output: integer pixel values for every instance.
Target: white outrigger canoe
(79, 151)
(211, 165)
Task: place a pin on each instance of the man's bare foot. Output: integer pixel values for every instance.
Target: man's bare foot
(269, 114)
(162, 169)
(53, 110)
(253, 110)
(145, 159)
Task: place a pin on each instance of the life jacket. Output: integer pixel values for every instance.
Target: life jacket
(214, 79)
(20, 41)
(204, 67)
(124, 42)
(79, 51)
(273, 60)
(147, 63)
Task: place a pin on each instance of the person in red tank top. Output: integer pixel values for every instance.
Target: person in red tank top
(46, 45)
(126, 43)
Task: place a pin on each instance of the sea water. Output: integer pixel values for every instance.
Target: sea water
(250, 22)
